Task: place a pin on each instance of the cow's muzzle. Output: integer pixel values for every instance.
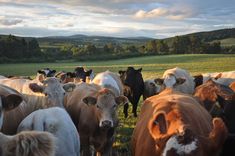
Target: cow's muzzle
(106, 124)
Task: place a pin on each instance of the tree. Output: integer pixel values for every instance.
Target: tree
(162, 47)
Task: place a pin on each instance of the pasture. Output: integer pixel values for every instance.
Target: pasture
(153, 66)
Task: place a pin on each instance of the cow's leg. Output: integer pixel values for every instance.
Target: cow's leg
(134, 109)
(85, 146)
(125, 110)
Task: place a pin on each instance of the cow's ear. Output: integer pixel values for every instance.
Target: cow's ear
(218, 76)
(218, 134)
(89, 100)
(69, 87)
(180, 81)
(40, 77)
(159, 81)
(121, 72)
(198, 80)
(41, 72)
(11, 101)
(139, 70)
(53, 71)
(158, 125)
(88, 73)
(36, 88)
(121, 100)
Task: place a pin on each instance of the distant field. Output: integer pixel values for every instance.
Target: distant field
(153, 66)
(227, 42)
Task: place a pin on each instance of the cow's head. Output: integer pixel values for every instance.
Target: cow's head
(9, 99)
(131, 75)
(47, 72)
(106, 104)
(151, 88)
(170, 81)
(53, 90)
(210, 94)
(173, 137)
(81, 73)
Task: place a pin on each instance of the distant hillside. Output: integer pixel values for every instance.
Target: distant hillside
(98, 41)
(226, 36)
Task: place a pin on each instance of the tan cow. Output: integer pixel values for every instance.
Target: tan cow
(51, 93)
(174, 123)
(25, 143)
(94, 112)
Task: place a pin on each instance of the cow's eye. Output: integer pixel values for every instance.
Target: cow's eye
(114, 106)
(46, 94)
(98, 106)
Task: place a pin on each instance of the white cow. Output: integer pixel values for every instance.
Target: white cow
(224, 78)
(26, 143)
(58, 122)
(177, 78)
(109, 80)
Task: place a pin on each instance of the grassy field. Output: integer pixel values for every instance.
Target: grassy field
(153, 66)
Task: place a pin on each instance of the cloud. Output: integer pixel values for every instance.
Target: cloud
(9, 22)
(174, 13)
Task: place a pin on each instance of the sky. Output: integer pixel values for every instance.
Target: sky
(118, 18)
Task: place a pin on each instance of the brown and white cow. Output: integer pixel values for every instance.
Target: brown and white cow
(173, 123)
(51, 93)
(94, 113)
(25, 143)
(177, 78)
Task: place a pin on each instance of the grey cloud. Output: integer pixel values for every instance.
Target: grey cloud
(10, 22)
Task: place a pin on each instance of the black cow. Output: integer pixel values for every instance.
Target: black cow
(133, 80)
(47, 72)
(81, 73)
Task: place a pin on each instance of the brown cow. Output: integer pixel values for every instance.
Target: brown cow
(174, 123)
(94, 112)
(219, 100)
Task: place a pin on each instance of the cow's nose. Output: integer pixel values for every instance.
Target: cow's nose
(106, 124)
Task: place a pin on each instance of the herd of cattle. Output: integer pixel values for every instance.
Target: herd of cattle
(75, 113)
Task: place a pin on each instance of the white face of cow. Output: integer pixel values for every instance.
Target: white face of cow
(169, 81)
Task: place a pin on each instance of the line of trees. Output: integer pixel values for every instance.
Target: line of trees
(15, 48)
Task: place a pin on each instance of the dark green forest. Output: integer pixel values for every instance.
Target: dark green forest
(81, 47)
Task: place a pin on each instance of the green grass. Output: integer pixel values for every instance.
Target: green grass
(153, 66)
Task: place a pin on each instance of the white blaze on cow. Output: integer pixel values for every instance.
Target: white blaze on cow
(181, 149)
